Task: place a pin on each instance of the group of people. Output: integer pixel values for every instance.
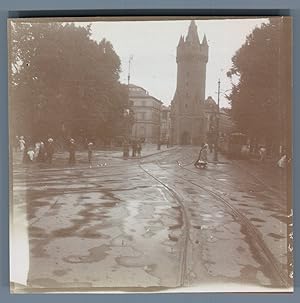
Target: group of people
(136, 147)
(42, 152)
(39, 152)
(282, 162)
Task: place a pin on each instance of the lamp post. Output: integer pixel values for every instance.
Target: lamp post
(126, 115)
(217, 126)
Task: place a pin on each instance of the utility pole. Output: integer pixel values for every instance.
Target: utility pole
(129, 64)
(217, 125)
(129, 129)
(127, 114)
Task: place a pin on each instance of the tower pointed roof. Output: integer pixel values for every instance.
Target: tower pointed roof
(192, 36)
(204, 41)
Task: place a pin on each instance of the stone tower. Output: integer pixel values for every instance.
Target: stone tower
(187, 110)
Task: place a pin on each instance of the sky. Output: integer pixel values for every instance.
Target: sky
(152, 45)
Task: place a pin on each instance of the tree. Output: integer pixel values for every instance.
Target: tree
(63, 83)
(259, 94)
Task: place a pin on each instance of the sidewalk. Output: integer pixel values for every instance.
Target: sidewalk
(266, 172)
(147, 150)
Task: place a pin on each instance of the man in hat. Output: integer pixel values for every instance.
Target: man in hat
(22, 144)
(90, 151)
(72, 148)
(50, 150)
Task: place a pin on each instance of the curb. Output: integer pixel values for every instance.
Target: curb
(149, 155)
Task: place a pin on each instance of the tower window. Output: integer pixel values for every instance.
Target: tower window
(185, 105)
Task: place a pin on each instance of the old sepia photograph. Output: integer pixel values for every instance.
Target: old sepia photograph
(150, 154)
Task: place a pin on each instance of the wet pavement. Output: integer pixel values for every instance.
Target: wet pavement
(150, 224)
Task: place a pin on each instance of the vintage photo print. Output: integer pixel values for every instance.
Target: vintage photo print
(150, 154)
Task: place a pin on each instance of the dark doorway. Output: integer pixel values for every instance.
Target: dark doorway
(185, 139)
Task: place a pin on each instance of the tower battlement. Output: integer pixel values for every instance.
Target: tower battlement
(191, 46)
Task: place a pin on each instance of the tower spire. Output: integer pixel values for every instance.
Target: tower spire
(192, 36)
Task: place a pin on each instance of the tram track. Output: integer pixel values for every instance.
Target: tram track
(253, 232)
(186, 224)
(181, 164)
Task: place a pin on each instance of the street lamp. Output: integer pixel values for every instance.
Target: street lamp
(217, 125)
(127, 115)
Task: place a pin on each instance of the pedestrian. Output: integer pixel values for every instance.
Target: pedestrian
(125, 149)
(42, 153)
(158, 144)
(50, 150)
(262, 153)
(202, 154)
(133, 145)
(245, 151)
(30, 154)
(282, 162)
(22, 143)
(25, 155)
(16, 143)
(37, 149)
(72, 149)
(139, 148)
(90, 151)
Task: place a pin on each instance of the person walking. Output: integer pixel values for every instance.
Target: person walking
(90, 151)
(133, 145)
(42, 152)
(16, 143)
(22, 144)
(72, 149)
(125, 149)
(139, 148)
(50, 150)
(30, 154)
(25, 155)
(202, 154)
(262, 153)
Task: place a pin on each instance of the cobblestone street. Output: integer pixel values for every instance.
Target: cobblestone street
(151, 223)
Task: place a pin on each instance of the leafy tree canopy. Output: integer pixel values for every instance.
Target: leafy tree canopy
(257, 76)
(63, 83)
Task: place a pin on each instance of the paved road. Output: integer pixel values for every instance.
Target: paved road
(151, 224)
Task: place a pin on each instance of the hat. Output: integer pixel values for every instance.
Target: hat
(50, 140)
(91, 143)
(72, 140)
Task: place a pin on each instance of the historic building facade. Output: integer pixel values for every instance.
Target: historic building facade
(165, 124)
(188, 119)
(147, 110)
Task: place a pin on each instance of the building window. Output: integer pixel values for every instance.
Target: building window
(185, 105)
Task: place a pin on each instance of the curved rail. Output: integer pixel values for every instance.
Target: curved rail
(183, 263)
(253, 232)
